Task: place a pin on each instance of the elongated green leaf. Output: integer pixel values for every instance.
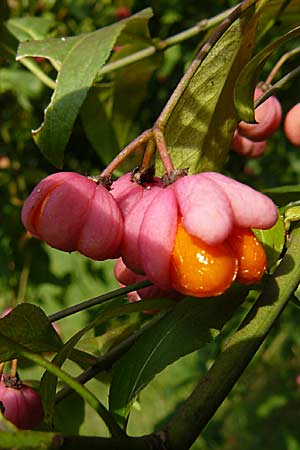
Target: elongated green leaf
(81, 58)
(29, 326)
(25, 28)
(280, 14)
(284, 194)
(200, 128)
(187, 327)
(250, 75)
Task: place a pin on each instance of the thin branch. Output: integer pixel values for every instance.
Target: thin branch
(106, 361)
(200, 27)
(278, 85)
(97, 300)
(130, 148)
(280, 62)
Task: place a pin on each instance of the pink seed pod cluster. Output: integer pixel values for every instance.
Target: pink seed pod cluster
(251, 139)
(72, 212)
(292, 125)
(22, 404)
(209, 206)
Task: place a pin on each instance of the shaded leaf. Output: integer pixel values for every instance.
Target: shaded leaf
(98, 126)
(8, 44)
(26, 28)
(283, 195)
(282, 14)
(250, 76)
(29, 326)
(49, 381)
(69, 414)
(81, 58)
(130, 89)
(200, 128)
(186, 328)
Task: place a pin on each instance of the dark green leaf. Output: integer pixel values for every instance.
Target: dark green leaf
(187, 327)
(284, 194)
(129, 92)
(81, 58)
(26, 28)
(29, 326)
(250, 76)
(98, 126)
(282, 14)
(49, 381)
(200, 128)
(8, 44)
(69, 414)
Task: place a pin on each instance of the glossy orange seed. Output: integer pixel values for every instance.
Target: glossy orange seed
(199, 269)
(251, 255)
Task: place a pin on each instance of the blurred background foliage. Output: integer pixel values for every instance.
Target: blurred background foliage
(264, 408)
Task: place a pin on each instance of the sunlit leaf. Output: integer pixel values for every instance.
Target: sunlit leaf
(273, 240)
(26, 28)
(81, 57)
(200, 128)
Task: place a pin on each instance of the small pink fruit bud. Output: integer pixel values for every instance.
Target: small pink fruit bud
(292, 125)
(247, 147)
(122, 12)
(22, 404)
(268, 117)
(71, 212)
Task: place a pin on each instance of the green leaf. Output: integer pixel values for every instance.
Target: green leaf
(273, 240)
(69, 414)
(25, 28)
(29, 326)
(98, 126)
(49, 381)
(280, 14)
(81, 58)
(283, 195)
(186, 328)
(199, 131)
(130, 89)
(250, 76)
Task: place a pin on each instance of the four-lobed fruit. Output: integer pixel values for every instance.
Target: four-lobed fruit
(175, 236)
(72, 212)
(247, 147)
(22, 404)
(192, 255)
(268, 117)
(292, 125)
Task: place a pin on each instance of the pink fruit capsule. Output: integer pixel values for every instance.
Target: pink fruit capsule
(268, 117)
(72, 212)
(292, 125)
(22, 404)
(247, 147)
